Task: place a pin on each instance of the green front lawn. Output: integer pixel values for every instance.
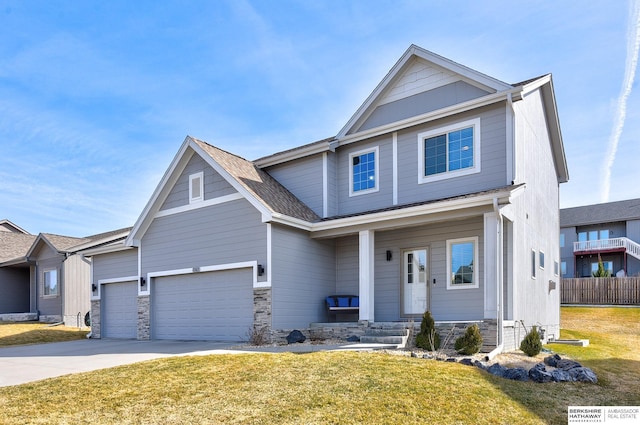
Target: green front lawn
(21, 333)
(336, 387)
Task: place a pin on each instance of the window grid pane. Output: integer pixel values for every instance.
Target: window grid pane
(462, 263)
(448, 152)
(364, 171)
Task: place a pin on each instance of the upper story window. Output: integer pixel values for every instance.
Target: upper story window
(196, 187)
(50, 283)
(561, 240)
(449, 151)
(593, 235)
(363, 176)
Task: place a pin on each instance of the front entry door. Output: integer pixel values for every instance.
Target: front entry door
(415, 291)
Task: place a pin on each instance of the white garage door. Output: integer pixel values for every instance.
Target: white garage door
(120, 310)
(215, 306)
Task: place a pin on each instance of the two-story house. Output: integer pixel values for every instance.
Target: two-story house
(607, 232)
(440, 193)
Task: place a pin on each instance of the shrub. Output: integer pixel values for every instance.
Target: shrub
(428, 338)
(531, 344)
(470, 342)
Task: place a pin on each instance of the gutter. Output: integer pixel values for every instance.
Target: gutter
(499, 269)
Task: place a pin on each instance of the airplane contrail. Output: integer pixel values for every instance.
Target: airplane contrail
(633, 46)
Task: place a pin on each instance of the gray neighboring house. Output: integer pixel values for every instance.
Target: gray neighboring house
(440, 193)
(43, 278)
(609, 231)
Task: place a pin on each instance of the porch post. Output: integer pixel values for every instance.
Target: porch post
(490, 266)
(366, 278)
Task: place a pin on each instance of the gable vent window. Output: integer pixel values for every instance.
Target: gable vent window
(196, 187)
(363, 176)
(449, 151)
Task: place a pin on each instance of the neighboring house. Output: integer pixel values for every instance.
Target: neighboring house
(43, 275)
(14, 275)
(440, 193)
(609, 232)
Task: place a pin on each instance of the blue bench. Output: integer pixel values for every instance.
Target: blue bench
(338, 304)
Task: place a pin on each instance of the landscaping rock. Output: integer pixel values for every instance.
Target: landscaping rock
(497, 369)
(466, 361)
(516, 374)
(353, 338)
(479, 365)
(296, 336)
(552, 360)
(565, 364)
(583, 374)
(450, 360)
(538, 373)
(414, 354)
(560, 375)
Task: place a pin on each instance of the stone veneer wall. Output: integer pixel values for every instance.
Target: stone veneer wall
(95, 319)
(262, 311)
(144, 328)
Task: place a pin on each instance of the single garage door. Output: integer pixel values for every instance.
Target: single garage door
(215, 306)
(120, 310)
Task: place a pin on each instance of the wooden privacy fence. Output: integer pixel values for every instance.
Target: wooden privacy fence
(600, 290)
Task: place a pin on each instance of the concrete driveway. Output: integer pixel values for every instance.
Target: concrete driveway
(28, 363)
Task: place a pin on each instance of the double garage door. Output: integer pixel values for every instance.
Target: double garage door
(216, 306)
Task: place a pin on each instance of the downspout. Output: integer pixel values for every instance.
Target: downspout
(90, 262)
(499, 286)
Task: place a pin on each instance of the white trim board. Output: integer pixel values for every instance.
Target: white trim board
(212, 268)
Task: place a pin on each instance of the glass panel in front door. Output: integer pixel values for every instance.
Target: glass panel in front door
(415, 277)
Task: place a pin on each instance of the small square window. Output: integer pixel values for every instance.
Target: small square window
(196, 187)
(533, 263)
(556, 268)
(541, 260)
(363, 175)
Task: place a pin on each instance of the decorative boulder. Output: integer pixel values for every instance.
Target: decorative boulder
(353, 338)
(583, 374)
(466, 361)
(479, 365)
(296, 336)
(560, 375)
(497, 369)
(516, 374)
(552, 360)
(538, 373)
(565, 364)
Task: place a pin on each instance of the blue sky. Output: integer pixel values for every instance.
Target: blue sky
(96, 97)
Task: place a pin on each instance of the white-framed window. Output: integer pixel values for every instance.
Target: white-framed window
(449, 151)
(50, 287)
(533, 263)
(196, 187)
(462, 260)
(541, 259)
(363, 171)
(556, 268)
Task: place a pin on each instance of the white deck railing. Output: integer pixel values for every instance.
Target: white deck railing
(628, 245)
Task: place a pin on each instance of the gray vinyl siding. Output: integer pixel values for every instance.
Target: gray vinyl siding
(616, 230)
(566, 253)
(461, 304)
(50, 305)
(421, 103)
(303, 274)
(633, 230)
(303, 178)
(332, 187)
(115, 265)
(493, 159)
(220, 234)
(383, 197)
(536, 214)
(214, 185)
(77, 291)
(14, 287)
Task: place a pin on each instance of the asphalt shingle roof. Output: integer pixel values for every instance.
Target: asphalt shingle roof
(14, 245)
(260, 184)
(600, 213)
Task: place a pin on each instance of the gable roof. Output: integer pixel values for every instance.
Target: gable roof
(608, 212)
(461, 72)
(266, 194)
(8, 226)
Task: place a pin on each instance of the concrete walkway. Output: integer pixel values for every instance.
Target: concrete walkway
(29, 363)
